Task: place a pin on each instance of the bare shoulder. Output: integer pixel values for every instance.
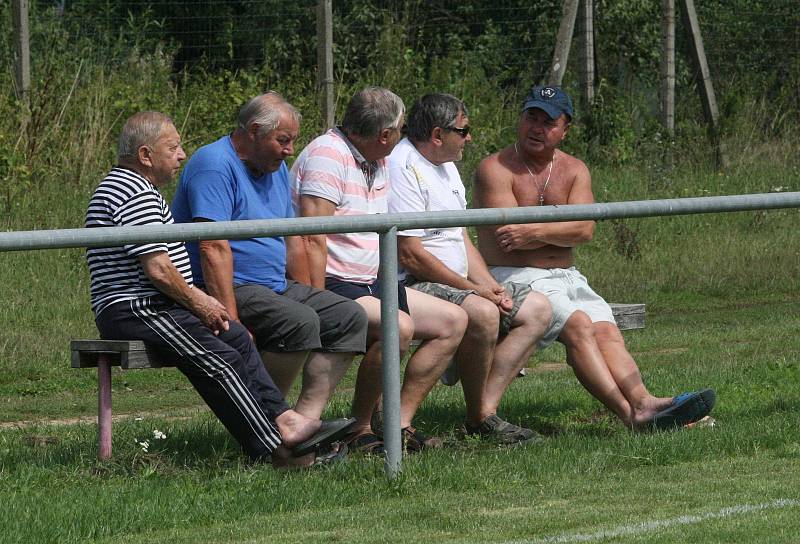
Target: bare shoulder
(489, 168)
(577, 187)
(572, 166)
(493, 175)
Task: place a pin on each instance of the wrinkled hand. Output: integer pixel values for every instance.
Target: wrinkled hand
(211, 312)
(505, 304)
(511, 237)
(498, 295)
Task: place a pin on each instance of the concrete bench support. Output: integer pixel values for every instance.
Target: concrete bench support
(104, 354)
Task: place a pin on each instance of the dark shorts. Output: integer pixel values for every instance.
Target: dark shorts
(302, 318)
(355, 291)
(517, 291)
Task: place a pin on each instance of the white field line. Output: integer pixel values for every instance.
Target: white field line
(648, 526)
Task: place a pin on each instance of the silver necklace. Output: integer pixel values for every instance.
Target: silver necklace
(541, 193)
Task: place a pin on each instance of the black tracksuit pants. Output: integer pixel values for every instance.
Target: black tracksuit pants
(226, 370)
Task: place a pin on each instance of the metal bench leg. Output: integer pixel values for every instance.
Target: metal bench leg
(104, 407)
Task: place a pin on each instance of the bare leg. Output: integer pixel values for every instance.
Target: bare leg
(626, 373)
(321, 375)
(440, 325)
(514, 349)
(284, 367)
(589, 365)
(475, 354)
(369, 381)
(368, 389)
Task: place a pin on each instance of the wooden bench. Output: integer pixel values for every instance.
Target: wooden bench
(103, 354)
(628, 316)
(134, 354)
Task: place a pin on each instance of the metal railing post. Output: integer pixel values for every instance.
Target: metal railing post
(390, 352)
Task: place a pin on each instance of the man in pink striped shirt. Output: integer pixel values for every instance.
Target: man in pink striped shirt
(344, 172)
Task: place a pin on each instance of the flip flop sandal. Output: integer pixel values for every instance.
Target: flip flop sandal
(330, 431)
(685, 408)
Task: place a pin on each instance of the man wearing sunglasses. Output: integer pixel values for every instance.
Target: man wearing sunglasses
(504, 321)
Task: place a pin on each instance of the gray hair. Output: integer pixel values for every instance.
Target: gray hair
(371, 110)
(266, 111)
(431, 111)
(140, 129)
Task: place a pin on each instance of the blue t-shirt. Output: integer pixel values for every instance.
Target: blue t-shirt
(216, 185)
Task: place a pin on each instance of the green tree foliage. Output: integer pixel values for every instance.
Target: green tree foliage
(95, 62)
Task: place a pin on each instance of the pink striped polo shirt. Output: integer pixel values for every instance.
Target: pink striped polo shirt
(330, 167)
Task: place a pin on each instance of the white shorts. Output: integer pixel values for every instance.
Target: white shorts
(565, 288)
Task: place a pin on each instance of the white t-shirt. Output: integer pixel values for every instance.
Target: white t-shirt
(417, 185)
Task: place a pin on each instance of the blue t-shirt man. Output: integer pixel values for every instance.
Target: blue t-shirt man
(216, 185)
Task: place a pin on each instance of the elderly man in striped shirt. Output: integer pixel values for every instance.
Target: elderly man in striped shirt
(145, 292)
(344, 172)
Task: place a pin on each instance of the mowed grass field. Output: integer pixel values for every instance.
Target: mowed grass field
(723, 310)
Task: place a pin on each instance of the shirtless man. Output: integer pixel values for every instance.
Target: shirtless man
(533, 172)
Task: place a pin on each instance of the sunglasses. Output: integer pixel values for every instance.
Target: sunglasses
(462, 131)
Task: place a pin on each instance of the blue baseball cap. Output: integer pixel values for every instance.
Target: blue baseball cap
(550, 99)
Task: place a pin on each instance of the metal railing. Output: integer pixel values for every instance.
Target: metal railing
(387, 226)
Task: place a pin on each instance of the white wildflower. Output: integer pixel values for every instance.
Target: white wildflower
(158, 435)
(145, 445)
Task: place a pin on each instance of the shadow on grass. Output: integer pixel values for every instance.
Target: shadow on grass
(138, 447)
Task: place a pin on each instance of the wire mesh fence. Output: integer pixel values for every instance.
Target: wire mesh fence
(742, 39)
(95, 62)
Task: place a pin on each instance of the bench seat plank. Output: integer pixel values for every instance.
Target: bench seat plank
(629, 316)
(127, 354)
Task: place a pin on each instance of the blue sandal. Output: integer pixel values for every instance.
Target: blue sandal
(685, 408)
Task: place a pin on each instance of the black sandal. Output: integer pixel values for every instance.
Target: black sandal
(330, 431)
(367, 443)
(336, 452)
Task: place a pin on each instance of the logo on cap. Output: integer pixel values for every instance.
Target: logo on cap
(548, 92)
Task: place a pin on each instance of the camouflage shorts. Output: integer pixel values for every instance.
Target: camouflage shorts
(517, 292)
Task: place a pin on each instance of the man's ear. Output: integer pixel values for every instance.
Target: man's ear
(436, 135)
(145, 155)
(383, 137)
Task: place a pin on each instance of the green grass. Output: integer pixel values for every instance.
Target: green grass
(723, 310)
(591, 475)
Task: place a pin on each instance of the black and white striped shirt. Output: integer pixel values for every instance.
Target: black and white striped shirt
(124, 199)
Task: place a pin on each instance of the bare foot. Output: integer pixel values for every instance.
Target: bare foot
(645, 412)
(295, 427)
